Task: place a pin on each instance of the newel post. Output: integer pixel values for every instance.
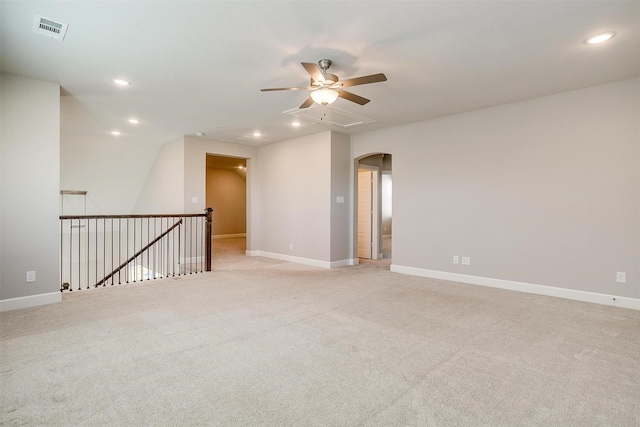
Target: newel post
(207, 234)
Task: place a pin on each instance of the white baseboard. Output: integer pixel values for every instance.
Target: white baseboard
(301, 260)
(343, 263)
(604, 299)
(228, 236)
(30, 301)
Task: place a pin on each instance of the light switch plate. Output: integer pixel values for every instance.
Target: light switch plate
(466, 260)
(31, 276)
(621, 277)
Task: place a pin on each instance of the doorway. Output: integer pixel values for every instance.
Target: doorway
(367, 213)
(226, 193)
(373, 216)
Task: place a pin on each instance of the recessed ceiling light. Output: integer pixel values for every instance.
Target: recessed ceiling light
(257, 134)
(295, 124)
(599, 38)
(240, 167)
(200, 133)
(121, 82)
(115, 132)
(134, 121)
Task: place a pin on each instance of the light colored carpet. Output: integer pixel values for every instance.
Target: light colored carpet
(260, 342)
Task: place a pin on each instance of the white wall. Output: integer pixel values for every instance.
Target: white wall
(163, 190)
(545, 191)
(112, 170)
(30, 173)
(295, 190)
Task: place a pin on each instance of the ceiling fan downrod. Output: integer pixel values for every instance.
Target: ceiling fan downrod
(324, 65)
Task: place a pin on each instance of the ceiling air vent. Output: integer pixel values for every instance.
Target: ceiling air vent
(330, 116)
(49, 28)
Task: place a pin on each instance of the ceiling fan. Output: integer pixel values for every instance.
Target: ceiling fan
(326, 88)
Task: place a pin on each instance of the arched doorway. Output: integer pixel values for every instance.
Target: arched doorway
(373, 202)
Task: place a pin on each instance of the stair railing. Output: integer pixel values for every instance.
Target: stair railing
(101, 250)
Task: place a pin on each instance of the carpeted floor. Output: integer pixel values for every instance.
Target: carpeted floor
(260, 342)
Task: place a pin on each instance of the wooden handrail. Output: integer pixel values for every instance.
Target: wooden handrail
(131, 216)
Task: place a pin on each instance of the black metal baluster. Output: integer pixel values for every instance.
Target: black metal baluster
(61, 250)
(79, 255)
(88, 221)
(96, 253)
(155, 255)
(104, 250)
(135, 267)
(148, 250)
(194, 239)
(70, 255)
(187, 246)
(195, 221)
(173, 250)
(128, 265)
(119, 248)
(112, 263)
(164, 254)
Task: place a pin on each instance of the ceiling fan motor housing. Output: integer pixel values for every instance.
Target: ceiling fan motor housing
(324, 64)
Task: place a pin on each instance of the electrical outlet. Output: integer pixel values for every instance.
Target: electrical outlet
(466, 260)
(456, 259)
(31, 276)
(621, 277)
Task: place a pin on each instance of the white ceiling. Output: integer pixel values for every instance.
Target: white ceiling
(198, 66)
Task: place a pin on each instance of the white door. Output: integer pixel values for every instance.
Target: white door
(365, 208)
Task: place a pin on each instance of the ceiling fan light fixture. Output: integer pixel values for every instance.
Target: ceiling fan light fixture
(324, 96)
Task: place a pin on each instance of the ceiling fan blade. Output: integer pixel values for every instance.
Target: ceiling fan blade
(285, 88)
(313, 71)
(352, 97)
(306, 104)
(373, 78)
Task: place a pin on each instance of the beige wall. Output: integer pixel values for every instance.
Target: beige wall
(295, 188)
(545, 191)
(227, 195)
(387, 205)
(30, 185)
(340, 187)
(195, 166)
